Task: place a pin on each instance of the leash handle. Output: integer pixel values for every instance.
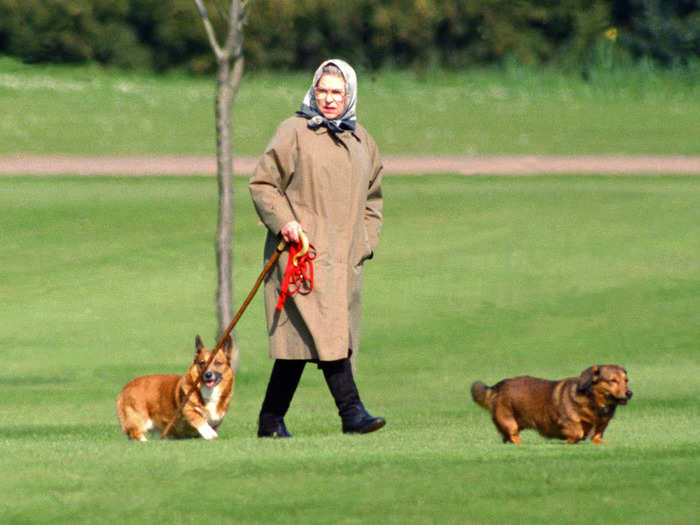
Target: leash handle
(280, 248)
(304, 241)
(299, 273)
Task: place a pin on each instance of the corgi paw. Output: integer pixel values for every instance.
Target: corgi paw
(207, 432)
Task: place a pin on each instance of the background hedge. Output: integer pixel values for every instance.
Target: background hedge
(293, 34)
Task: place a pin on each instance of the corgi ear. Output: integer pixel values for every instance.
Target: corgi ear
(228, 348)
(198, 345)
(589, 377)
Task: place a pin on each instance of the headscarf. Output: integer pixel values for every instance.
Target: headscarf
(309, 108)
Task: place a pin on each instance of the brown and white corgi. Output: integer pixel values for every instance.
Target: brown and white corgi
(148, 403)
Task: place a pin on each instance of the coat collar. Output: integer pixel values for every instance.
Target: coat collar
(343, 136)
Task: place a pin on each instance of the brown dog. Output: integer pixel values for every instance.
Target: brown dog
(570, 409)
(148, 403)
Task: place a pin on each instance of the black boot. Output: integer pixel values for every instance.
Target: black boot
(283, 383)
(356, 420)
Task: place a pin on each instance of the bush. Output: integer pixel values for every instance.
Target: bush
(666, 30)
(74, 31)
(378, 33)
(293, 34)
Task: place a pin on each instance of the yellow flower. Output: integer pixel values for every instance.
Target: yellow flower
(611, 34)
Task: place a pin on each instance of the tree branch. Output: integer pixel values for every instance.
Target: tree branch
(237, 73)
(234, 38)
(209, 29)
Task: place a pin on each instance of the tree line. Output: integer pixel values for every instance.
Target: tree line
(372, 34)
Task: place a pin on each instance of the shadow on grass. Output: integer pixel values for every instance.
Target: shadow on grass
(16, 381)
(60, 432)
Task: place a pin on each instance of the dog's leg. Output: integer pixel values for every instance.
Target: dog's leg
(512, 438)
(195, 417)
(135, 424)
(207, 432)
(598, 433)
(135, 432)
(507, 426)
(573, 432)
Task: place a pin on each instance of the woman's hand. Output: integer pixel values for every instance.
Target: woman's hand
(290, 232)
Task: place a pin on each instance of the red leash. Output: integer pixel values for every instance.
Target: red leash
(299, 274)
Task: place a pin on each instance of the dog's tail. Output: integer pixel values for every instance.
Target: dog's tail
(483, 394)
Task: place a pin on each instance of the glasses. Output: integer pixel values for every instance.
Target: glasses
(335, 94)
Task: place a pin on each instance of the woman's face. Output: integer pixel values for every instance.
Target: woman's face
(330, 96)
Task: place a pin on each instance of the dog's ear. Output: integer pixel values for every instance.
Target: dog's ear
(198, 345)
(228, 349)
(589, 377)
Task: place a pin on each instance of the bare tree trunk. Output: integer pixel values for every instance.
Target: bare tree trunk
(230, 70)
(224, 230)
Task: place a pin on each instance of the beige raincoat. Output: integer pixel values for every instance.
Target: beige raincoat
(331, 184)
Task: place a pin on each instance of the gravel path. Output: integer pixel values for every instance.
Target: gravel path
(19, 164)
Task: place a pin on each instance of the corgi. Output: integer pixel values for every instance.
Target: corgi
(148, 403)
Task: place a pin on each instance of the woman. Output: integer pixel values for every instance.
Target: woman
(321, 175)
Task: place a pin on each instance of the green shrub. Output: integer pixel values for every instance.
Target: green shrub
(75, 31)
(298, 34)
(666, 30)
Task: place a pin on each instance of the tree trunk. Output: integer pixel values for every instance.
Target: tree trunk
(229, 58)
(224, 231)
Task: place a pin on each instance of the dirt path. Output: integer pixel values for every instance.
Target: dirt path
(490, 165)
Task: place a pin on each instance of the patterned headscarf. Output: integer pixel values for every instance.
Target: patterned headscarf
(309, 108)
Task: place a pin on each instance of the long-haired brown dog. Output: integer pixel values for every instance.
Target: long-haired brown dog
(148, 403)
(571, 409)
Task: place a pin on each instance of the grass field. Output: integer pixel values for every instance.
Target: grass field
(51, 109)
(104, 279)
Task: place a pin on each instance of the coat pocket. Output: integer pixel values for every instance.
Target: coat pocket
(365, 249)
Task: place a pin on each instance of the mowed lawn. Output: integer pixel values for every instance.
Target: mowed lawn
(88, 110)
(105, 279)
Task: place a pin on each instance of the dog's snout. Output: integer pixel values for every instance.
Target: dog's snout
(629, 394)
(209, 376)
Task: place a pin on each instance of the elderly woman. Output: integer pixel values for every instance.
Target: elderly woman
(321, 175)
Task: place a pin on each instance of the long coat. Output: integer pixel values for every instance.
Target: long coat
(331, 185)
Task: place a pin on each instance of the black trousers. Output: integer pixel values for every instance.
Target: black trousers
(283, 382)
(285, 377)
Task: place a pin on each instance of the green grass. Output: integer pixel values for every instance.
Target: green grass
(87, 110)
(104, 279)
